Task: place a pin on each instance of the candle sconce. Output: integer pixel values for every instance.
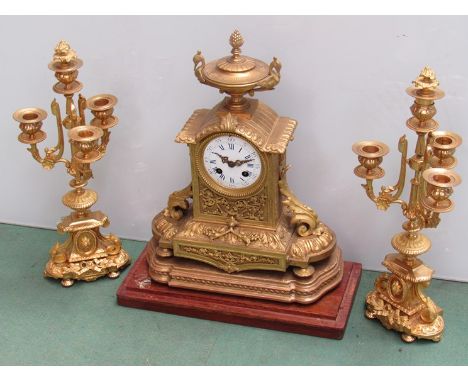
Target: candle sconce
(86, 254)
(398, 300)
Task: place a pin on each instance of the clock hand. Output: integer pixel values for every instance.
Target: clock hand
(241, 162)
(223, 158)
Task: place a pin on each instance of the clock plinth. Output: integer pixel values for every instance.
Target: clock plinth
(246, 261)
(276, 286)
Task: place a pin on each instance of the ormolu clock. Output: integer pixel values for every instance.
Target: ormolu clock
(237, 228)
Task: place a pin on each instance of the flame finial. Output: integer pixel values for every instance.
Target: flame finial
(426, 80)
(236, 40)
(63, 53)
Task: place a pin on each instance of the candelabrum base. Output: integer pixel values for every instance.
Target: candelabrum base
(86, 254)
(400, 305)
(89, 270)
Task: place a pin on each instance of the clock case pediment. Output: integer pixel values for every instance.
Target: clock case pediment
(261, 125)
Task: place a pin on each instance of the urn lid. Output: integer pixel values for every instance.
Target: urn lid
(237, 74)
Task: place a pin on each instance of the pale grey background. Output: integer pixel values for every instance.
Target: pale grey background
(343, 79)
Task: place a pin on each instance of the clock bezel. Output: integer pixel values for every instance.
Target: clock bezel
(231, 192)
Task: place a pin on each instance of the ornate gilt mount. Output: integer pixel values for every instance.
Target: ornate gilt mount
(398, 300)
(303, 217)
(244, 232)
(178, 203)
(237, 74)
(86, 254)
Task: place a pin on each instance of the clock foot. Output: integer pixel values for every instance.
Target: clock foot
(67, 283)
(113, 275)
(304, 272)
(164, 252)
(408, 338)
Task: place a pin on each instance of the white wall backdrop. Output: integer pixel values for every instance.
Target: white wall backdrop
(343, 79)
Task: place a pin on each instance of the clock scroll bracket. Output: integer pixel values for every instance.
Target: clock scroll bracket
(304, 218)
(178, 203)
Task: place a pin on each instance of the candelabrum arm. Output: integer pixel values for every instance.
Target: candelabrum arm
(73, 119)
(104, 140)
(430, 219)
(35, 153)
(390, 194)
(61, 144)
(427, 157)
(54, 154)
(81, 109)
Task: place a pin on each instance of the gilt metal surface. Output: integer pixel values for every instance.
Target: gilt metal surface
(86, 254)
(398, 300)
(250, 239)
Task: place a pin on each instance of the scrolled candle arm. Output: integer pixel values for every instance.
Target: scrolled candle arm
(390, 194)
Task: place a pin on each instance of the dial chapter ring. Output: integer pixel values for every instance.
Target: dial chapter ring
(207, 178)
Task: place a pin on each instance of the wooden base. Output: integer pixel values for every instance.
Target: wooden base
(325, 318)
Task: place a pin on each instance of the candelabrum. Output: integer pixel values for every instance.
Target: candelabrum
(86, 254)
(398, 300)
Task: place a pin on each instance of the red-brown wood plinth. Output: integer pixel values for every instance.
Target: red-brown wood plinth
(325, 318)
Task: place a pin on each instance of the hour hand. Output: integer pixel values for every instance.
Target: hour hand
(224, 159)
(241, 162)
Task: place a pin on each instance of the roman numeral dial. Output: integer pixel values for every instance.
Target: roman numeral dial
(232, 162)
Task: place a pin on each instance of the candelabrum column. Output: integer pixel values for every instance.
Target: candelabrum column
(86, 254)
(398, 300)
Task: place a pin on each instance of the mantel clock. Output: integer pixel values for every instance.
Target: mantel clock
(237, 228)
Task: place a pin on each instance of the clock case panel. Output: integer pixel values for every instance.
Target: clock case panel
(256, 205)
(265, 131)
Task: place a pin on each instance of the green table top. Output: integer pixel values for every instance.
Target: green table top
(42, 323)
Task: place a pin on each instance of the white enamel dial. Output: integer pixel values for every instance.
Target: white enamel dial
(232, 162)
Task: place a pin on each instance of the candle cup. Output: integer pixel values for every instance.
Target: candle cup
(423, 112)
(30, 123)
(443, 144)
(423, 109)
(66, 73)
(102, 107)
(440, 183)
(85, 138)
(370, 155)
